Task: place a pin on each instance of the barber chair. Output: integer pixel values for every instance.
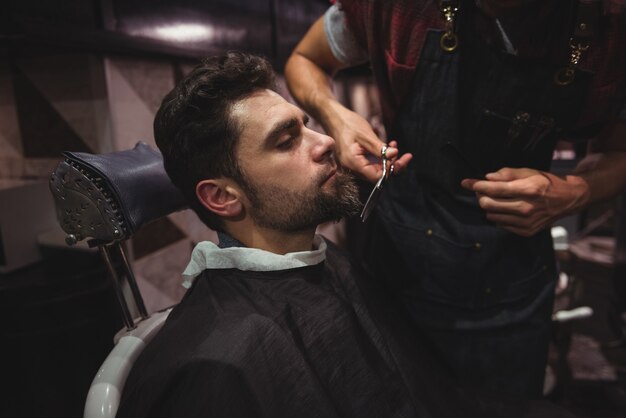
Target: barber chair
(105, 199)
(565, 313)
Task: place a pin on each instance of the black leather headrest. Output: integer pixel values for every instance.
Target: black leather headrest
(110, 196)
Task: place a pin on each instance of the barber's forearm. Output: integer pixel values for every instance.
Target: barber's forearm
(308, 74)
(603, 171)
(311, 87)
(604, 176)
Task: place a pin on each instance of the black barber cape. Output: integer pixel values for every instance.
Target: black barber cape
(292, 343)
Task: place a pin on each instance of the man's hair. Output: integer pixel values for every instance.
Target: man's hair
(194, 129)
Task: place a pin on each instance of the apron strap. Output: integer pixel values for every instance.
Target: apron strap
(586, 21)
(587, 16)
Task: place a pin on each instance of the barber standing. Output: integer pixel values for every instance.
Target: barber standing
(477, 93)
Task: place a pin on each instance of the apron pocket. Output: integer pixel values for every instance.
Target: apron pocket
(519, 290)
(441, 270)
(463, 275)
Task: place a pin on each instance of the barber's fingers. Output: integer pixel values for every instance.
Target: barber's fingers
(369, 165)
(518, 207)
(368, 169)
(355, 129)
(371, 143)
(510, 174)
(399, 164)
(534, 186)
(490, 188)
(361, 162)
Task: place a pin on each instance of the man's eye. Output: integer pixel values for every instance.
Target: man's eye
(286, 144)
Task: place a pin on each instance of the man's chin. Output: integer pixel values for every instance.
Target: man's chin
(345, 195)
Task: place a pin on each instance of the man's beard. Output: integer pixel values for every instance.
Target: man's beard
(281, 209)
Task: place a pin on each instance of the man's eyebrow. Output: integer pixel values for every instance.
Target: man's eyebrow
(283, 126)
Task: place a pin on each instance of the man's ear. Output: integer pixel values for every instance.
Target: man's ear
(220, 197)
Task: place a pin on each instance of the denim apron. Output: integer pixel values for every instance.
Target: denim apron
(481, 295)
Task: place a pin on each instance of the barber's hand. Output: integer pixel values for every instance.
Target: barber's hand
(358, 148)
(525, 201)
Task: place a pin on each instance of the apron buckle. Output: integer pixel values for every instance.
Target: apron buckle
(449, 41)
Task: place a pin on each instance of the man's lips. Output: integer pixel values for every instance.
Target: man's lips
(330, 175)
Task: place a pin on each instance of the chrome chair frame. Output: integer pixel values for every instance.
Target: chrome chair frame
(106, 198)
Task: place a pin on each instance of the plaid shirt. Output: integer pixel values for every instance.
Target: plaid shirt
(393, 32)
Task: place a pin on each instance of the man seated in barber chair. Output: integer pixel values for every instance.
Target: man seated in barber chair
(276, 321)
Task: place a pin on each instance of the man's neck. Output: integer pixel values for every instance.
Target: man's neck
(278, 242)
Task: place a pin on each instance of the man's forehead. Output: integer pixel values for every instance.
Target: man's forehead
(260, 101)
(258, 113)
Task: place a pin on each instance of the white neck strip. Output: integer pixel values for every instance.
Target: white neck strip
(207, 255)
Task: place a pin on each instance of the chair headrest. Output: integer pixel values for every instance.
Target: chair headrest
(108, 197)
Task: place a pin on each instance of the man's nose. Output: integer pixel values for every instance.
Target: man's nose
(323, 146)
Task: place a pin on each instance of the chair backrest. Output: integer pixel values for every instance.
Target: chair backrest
(106, 198)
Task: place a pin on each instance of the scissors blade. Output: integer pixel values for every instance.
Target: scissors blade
(372, 200)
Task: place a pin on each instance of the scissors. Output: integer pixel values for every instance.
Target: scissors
(375, 194)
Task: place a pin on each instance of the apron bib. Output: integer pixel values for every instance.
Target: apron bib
(482, 294)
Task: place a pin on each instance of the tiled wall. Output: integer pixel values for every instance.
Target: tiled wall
(91, 103)
(49, 104)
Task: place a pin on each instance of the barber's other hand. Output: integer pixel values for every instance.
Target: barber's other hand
(525, 201)
(358, 148)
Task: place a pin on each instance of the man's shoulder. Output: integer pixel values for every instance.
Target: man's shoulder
(231, 357)
(201, 354)
(193, 386)
(218, 335)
